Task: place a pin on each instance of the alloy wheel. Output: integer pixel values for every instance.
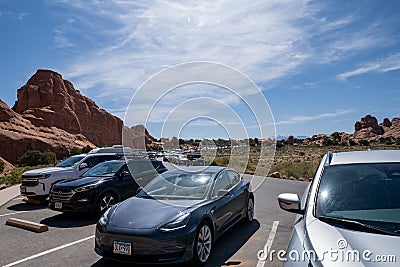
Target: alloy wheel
(250, 210)
(106, 201)
(204, 243)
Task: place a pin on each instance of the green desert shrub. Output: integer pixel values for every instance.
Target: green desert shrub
(34, 158)
(1, 166)
(295, 169)
(75, 151)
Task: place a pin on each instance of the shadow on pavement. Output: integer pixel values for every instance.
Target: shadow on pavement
(223, 249)
(26, 207)
(65, 220)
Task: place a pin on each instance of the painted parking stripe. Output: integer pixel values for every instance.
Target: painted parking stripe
(12, 213)
(270, 240)
(49, 251)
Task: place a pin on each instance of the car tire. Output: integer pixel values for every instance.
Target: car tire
(106, 200)
(203, 243)
(249, 210)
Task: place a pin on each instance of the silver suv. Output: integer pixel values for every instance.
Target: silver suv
(36, 184)
(350, 214)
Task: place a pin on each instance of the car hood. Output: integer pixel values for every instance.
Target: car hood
(78, 182)
(144, 213)
(324, 238)
(46, 170)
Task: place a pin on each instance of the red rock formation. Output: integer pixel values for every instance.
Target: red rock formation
(386, 123)
(51, 115)
(370, 123)
(7, 166)
(48, 100)
(18, 135)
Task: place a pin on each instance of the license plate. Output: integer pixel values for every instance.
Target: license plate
(58, 205)
(122, 248)
(23, 189)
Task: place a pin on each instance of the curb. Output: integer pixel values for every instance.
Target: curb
(8, 194)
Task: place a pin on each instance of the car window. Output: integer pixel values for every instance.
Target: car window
(366, 191)
(70, 162)
(105, 169)
(222, 182)
(93, 161)
(234, 178)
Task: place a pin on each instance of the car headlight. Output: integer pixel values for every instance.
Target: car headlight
(86, 188)
(44, 176)
(104, 218)
(176, 224)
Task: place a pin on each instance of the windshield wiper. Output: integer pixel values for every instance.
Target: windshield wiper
(353, 224)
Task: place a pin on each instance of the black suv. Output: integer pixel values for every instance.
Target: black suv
(103, 185)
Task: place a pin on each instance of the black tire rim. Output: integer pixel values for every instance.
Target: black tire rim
(106, 201)
(250, 209)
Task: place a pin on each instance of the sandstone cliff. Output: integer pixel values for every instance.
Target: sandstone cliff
(50, 114)
(47, 100)
(18, 134)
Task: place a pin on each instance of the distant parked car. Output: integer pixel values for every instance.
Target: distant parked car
(176, 217)
(352, 207)
(195, 160)
(105, 184)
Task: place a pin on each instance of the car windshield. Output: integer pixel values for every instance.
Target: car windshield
(367, 193)
(105, 169)
(70, 162)
(178, 185)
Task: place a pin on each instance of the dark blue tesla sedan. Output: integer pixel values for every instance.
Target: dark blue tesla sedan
(176, 217)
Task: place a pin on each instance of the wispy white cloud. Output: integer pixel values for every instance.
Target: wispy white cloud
(22, 15)
(267, 40)
(382, 65)
(301, 119)
(61, 41)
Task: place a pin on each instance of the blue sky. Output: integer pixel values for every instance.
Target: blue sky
(321, 65)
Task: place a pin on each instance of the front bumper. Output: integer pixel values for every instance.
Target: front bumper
(148, 247)
(32, 191)
(74, 206)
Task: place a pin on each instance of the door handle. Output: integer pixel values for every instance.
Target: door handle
(212, 211)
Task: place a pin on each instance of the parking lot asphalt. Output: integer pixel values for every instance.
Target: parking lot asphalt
(70, 238)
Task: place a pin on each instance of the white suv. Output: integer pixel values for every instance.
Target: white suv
(37, 183)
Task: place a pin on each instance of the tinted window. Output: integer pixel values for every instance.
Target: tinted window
(69, 162)
(93, 161)
(222, 182)
(178, 185)
(105, 169)
(234, 178)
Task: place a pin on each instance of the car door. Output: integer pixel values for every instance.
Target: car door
(223, 206)
(125, 183)
(239, 193)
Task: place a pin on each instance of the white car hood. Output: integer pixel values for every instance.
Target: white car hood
(48, 170)
(324, 237)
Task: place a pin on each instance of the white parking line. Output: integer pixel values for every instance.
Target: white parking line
(270, 240)
(49, 251)
(12, 213)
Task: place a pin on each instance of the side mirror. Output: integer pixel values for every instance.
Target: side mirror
(290, 202)
(124, 174)
(223, 192)
(83, 165)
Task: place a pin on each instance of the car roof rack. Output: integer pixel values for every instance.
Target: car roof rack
(112, 149)
(328, 160)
